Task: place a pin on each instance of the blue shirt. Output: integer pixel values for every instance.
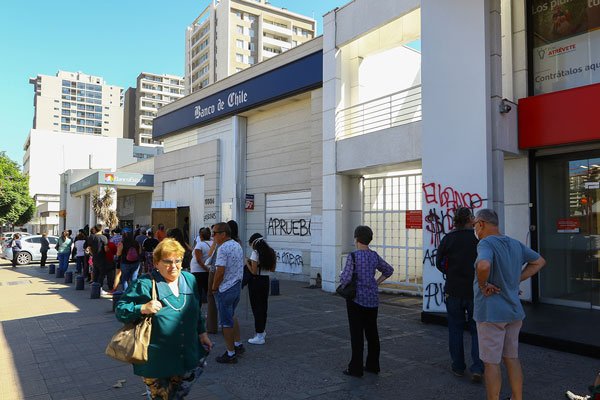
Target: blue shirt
(506, 257)
(367, 261)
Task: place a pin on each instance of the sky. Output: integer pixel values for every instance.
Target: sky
(114, 39)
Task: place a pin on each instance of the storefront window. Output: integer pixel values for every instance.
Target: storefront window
(569, 230)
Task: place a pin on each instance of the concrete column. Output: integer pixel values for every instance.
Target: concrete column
(457, 38)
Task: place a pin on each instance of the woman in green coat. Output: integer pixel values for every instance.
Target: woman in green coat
(179, 339)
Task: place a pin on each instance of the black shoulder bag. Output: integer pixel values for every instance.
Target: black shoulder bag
(348, 291)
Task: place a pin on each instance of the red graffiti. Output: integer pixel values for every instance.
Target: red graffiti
(449, 197)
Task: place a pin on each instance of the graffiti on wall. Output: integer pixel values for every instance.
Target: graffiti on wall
(440, 204)
(290, 261)
(288, 227)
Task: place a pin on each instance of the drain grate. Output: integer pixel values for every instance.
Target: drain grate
(15, 283)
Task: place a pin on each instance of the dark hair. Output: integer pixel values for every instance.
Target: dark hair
(150, 233)
(462, 216)
(233, 226)
(80, 235)
(363, 234)
(204, 233)
(177, 234)
(267, 259)
(128, 241)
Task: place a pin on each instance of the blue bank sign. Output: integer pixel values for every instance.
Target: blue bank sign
(293, 78)
(113, 179)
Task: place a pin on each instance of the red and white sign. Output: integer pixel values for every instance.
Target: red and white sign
(567, 225)
(414, 219)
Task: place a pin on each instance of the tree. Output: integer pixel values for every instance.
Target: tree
(16, 206)
(101, 204)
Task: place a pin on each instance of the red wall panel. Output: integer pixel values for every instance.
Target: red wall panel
(564, 117)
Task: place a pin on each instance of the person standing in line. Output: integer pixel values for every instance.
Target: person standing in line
(161, 233)
(455, 258)
(186, 230)
(63, 249)
(16, 247)
(45, 246)
(148, 247)
(497, 308)
(594, 390)
(80, 252)
(211, 303)
(129, 253)
(97, 246)
(227, 287)
(177, 234)
(198, 265)
(262, 261)
(363, 309)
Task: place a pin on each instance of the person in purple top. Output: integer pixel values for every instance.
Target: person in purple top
(362, 311)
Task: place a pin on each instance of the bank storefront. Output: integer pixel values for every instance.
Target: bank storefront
(559, 127)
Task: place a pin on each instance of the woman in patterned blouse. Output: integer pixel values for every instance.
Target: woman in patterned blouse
(362, 310)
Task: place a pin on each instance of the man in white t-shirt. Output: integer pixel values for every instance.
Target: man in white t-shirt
(227, 284)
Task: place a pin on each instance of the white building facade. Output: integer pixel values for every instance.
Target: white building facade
(77, 103)
(48, 154)
(231, 35)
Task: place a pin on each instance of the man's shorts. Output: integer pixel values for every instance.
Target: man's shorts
(227, 301)
(497, 340)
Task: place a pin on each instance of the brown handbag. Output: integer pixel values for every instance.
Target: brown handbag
(130, 343)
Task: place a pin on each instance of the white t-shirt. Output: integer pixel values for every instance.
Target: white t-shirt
(80, 246)
(254, 257)
(204, 247)
(230, 256)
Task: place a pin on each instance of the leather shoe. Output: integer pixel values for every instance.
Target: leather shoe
(347, 372)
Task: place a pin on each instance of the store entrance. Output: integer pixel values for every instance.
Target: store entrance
(569, 229)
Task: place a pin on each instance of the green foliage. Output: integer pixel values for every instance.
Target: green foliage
(16, 207)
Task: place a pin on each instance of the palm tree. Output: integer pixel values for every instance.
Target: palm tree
(101, 205)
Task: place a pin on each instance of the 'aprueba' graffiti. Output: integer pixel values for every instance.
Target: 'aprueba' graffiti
(289, 227)
(436, 292)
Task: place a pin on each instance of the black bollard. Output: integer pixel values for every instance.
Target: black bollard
(60, 273)
(51, 269)
(79, 283)
(275, 287)
(115, 297)
(69, 277)
(95, 292)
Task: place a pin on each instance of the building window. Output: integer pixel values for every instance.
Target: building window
(239, 29)
(239, 57)
(65, 127)
(239, 44)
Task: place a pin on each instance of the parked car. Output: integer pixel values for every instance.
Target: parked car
(6, 236)
(30, 250)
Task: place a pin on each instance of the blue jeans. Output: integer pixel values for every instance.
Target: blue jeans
(63, 261)
(460, 311)
(129, 273)
(227, 301)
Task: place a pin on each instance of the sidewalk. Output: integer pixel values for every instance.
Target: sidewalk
(52, 341)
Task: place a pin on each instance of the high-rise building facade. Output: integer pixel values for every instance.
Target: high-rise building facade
(77, 103)
(231, 35)
(142, 103)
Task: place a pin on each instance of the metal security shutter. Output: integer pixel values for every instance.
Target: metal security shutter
(385, 202)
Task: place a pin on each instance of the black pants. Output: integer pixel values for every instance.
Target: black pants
(102, 270)
(44, 258)
(14, 259)
(363, 323)
(258, 288)
(202, 282)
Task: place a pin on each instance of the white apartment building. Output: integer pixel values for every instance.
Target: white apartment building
(77, 103)
(231, 35)
(153, 91)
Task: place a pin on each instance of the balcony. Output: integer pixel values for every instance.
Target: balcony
(276, 29)
(400, 108)
(276, 42)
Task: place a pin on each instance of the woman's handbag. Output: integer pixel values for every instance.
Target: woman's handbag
(130, 343)
(348, 291)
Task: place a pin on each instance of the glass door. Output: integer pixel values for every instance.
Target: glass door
(569, 230)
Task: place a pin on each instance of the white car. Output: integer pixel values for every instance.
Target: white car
(6, 236)
(30, 249)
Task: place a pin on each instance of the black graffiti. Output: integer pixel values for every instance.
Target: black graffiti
(209, 201)
(291, 227)
(436, 292)
(430, 256)
(210, 216)
(438, 224)
(286, 257)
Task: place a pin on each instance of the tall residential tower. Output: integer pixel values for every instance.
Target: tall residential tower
(77, 103)
(231, 35)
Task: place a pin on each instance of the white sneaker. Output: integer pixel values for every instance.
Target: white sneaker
(572, 396)
(257, 340)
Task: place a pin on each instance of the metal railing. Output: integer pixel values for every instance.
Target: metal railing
(399, 108)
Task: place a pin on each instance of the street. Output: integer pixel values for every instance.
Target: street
(52, 341)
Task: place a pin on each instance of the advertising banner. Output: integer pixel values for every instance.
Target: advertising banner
(566, 44)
